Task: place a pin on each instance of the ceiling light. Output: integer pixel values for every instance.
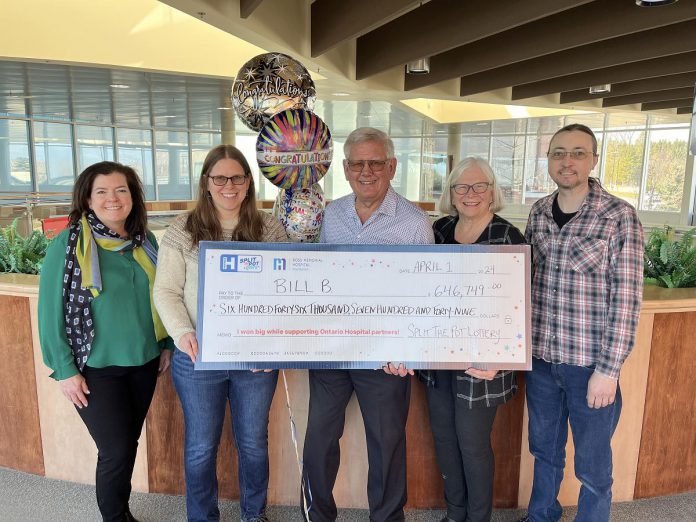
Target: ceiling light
(653, 3)
(600, 89)
(119, 86)
(224, 108)
(341, 93)
(421, 66)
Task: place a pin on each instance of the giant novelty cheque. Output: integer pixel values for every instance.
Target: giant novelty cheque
(273, 305)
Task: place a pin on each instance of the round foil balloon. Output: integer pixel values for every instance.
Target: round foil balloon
(301, 212)
(294, 149)
(268, 84)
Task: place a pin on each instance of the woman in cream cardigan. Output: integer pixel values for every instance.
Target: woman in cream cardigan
(225, 211)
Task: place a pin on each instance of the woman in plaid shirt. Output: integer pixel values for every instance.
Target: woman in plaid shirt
(463, 404)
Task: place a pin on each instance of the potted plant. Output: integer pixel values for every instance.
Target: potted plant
(20, 254)
(669, 260)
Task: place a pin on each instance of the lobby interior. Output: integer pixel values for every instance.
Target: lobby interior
(148, 83)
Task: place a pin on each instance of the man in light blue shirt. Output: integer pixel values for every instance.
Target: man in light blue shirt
(373, 214)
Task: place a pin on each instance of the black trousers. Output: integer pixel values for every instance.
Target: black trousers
(464, 453)
(384, 401)
(116, 408)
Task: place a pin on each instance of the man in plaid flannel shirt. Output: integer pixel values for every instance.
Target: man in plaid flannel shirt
(586, 296)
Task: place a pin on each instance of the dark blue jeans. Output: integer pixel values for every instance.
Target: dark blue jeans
(557, 393)
(204, 395)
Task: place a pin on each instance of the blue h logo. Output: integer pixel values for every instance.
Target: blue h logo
(228, 263)
(278, 263)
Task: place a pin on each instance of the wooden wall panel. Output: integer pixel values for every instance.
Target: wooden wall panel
(667, 458)
(425, 486)
(507, 446)
(20, 430)
(165, 446)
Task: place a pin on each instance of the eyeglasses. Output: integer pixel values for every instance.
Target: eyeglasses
(221, 181)
(463, 189)
(574, 154)
(375, 166)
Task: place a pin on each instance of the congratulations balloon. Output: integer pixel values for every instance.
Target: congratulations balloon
(268, 84)
(301, 212)
(294, 149)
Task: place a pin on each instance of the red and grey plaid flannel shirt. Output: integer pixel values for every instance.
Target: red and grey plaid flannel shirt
(587, 282)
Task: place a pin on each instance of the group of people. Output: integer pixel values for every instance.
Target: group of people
(114, 312)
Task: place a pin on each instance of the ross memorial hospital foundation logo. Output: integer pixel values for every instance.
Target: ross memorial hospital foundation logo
(240, 263)
(279, 263)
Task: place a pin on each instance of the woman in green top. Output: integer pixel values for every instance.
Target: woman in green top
(98, 330)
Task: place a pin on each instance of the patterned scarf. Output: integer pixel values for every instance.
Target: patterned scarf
(82, 279)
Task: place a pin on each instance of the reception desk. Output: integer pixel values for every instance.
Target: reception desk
(654, 446)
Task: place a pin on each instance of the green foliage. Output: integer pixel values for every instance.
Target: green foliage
(19, 254)
(670, 261)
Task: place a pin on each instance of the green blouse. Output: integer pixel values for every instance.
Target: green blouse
(124, 332)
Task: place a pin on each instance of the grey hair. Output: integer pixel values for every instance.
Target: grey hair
(446, 207)
(363, 134)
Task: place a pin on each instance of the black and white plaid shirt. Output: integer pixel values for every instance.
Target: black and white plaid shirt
(478, 393)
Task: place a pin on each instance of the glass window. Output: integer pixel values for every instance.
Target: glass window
(94, 144)
(433, 169)
(172, 165)
(408, 166)
(664, 184)
(201, 143)
(15, 165)
(475, 146)
(135, 150)
(623, 163)
(507, 160)
(546, 125)
(264, 188)
(476, 127)
(594, 121)
(626, 120)
(54, 170)
(537, 182)
(509, 126)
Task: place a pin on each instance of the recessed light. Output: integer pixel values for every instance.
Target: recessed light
(224, 108)
(119, 86)
(340, 93)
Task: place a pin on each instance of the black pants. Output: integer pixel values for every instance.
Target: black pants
(116, 407)
(384, 401)
(464, 453)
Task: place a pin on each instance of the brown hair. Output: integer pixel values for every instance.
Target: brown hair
(580, 128)
(203, 223)
(136, 222)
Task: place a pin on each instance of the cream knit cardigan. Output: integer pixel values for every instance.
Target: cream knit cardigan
(175, 291)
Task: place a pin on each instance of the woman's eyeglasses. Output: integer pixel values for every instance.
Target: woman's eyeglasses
(221, 181)
(463, 189)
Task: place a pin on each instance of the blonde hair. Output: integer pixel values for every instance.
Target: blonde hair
(445, 205)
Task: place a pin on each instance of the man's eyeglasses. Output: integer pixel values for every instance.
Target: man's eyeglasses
(375, 166)
(463, 189)
(574, 154)
(221, 181)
